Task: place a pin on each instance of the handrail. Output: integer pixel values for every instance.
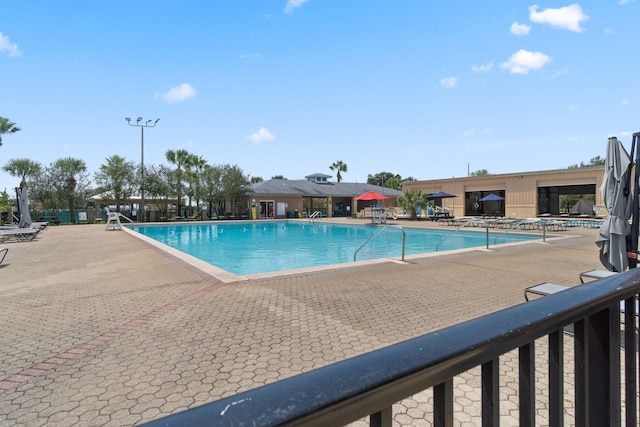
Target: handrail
(516, 223)
(316, 215)
(125, 217)
(369, 384)
(469, 222)
(404, 239)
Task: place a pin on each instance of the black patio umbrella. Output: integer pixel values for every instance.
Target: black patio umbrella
(491, 198)
(440, 195)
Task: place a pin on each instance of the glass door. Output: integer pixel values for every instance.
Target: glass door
(266, 209)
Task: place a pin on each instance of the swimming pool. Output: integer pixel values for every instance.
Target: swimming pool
(266, 246)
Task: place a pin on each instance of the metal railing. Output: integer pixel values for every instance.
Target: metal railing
(404, 240)
(316, 216)
(371, 383)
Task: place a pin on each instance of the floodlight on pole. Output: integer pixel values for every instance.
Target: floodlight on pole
(142, 126)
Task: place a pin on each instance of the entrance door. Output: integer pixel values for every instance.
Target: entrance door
(267, 209)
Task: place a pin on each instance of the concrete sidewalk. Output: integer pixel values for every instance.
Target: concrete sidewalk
(101, 328)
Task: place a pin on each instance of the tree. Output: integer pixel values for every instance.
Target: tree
(70, 182)
(480, 172)
(160, 185)
(382, 178)
(256, 179)
(410, 200)
(4, 203)
(234, 183)
(7, 127)
(388, 180)
(595, 161)
(338, 166)
(213, 190)
(23, 168)
(181, 159)
(278, 177)
(117, 178)
(194, 176)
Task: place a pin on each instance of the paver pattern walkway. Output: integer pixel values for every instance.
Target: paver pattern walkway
(100, 328)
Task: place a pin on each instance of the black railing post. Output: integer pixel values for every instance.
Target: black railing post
(630, 362)
(443, 404)
(527, 387)
(382, 418)
(580, 372)
(597, 371)
(491, 393)
(556, 379)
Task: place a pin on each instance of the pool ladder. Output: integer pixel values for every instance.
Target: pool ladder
(316, 216)
(474, 222)
(404, 239)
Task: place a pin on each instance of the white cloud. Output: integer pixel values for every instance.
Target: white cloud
(482, 68)
(520, 29)
(292, 5)
(524, 61)
(624, 101)
(6, 45)
(568, 17)
(560, 72)
(449, 82)
(261, 136)
(179, 93)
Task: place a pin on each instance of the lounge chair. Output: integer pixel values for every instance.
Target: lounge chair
(34, 225)
(548, 288)
(595, 274)
(19, 234)
(4, 252)
(529, 223)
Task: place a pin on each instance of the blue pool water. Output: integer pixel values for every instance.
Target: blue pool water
(258, 247)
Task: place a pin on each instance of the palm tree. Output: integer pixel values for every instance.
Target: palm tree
(196, 169)
(181, 159)
(70, 181)
(7, 127)
(340, 167)
(23, 168)
(411, 199)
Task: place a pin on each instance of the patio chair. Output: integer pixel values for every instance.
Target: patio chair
(19, 234)
(4, 252)
(113, 221)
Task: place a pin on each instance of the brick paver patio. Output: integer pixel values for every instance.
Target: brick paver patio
(100, 328)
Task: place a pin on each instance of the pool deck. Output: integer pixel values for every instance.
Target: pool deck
(102, 328)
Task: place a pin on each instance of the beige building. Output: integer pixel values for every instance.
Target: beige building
(526, 194)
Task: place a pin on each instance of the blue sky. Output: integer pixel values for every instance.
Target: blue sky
(419, 88)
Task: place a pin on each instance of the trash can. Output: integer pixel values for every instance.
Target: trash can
(295, 213)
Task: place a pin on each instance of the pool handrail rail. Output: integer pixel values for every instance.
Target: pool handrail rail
(404, 240)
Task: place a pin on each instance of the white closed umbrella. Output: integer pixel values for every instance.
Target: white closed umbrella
(25, 216)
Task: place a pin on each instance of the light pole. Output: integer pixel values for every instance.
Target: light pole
(146, 124)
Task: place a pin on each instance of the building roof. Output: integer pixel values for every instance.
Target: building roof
(319, 189)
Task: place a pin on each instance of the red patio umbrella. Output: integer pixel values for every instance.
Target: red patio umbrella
(371, 195)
